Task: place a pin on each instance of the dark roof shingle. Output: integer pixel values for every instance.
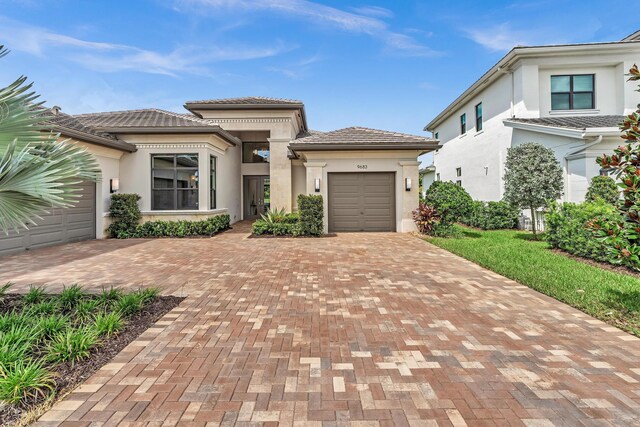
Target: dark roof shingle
(361, 136)
(573, 122)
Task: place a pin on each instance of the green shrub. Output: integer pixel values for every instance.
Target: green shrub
(72, 345)
(260, 227)
(182, 228)
(11, 319)
(450, 200)
(50, 326)
(311, 213)
(43, 307)
(35, 295)
(603, 187)
(86, 309)
(108, 324)
(24, 381)
(130, 304)
(125, 215)
(70, 296)
(492, 215)
(16, 343)
(285, 225)
(567, 228)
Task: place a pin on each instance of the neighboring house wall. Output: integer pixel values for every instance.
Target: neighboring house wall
(523, 90)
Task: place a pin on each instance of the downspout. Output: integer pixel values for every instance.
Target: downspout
(596, 141)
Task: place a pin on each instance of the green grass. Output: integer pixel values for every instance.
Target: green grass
(607, 295)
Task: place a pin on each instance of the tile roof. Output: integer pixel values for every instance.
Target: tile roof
(573, 122)
(70, 126)
(248, 100)
(150, 117)
(361, 136)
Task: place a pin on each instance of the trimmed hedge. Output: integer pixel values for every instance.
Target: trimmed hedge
(492, 215)
(280, 225)
(183, 228)
(125, 215)
(566, 228)
(311, 213)
(451, 201)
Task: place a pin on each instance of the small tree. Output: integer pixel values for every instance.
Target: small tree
(603, 188)
(533, 176)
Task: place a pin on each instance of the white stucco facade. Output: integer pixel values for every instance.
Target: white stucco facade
(519, 88)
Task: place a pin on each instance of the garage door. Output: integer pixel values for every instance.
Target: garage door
(362, 201)
(59, 226)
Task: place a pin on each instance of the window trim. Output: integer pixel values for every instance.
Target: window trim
(571, 92)
(463, 123)
(175, 188)
(213, 183)
(479, 122)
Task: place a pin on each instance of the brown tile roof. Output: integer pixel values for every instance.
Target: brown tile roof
(573, 122)
(70, 126)
(153, 120)
(248, 100)
(362, 137)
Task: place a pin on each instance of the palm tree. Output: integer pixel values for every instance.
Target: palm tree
(37, 172)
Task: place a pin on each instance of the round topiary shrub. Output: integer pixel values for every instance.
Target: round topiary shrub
(603, 188)
(451, 201)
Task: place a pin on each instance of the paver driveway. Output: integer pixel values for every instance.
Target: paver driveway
(362, 329)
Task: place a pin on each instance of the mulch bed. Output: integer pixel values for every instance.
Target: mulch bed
(603, 265)
(69, 377)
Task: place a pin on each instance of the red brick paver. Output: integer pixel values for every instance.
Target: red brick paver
(358, 329)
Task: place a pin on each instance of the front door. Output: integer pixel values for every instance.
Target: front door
(257, 196)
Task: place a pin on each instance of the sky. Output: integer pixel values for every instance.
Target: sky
(390, 65)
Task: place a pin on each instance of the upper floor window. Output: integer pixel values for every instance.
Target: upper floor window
(479, 117)
(174, 181)
(458, 172)
(255, 152)
(459, 183)
(463, 124)
(436, 135)
(437, 177)
(572, 92)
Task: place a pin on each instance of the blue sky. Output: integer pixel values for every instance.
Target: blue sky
(384, 64)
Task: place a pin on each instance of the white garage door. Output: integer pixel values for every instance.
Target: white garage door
(59, 226)
(362, 201)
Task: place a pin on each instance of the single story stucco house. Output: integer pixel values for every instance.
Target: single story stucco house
(239, 156)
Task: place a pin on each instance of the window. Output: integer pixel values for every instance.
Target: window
(458, 171)
(463, 124)
(437, 177)
(436, 135)
(479, 117)
(459, 183)
(174, 181)
(255, 152)
(574, 92)
(212, 182)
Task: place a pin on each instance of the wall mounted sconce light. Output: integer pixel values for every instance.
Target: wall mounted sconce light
(114, 185)
(407, 184)
(317, 185)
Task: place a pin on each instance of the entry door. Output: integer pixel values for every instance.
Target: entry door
(257, 196)
(362, 201)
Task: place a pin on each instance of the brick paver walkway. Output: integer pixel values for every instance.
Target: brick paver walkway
(358, 329)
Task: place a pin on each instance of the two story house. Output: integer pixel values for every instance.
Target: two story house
(239, 156)
(569, 98)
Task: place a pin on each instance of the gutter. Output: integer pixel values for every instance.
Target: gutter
(226, 136)
(105, 142)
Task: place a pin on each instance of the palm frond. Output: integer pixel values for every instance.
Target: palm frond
(37, 172)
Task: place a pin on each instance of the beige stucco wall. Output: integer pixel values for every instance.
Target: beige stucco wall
(135, 174)
(109, 161)
(401, 162)
(298, 181)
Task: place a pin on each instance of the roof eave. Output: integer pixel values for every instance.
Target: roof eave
(562, 131)
(226, 136)
(105, 142)
(312, 146)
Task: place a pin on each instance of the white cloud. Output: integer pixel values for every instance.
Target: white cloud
(376, 11)
(110, 57)
(367, 21)
(499, 37)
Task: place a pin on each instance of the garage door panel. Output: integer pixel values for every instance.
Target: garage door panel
(362, 201)
(57, 226)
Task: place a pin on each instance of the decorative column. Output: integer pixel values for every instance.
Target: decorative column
(315, 170)
(280, 173)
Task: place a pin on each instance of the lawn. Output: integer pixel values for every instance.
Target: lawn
(607, 295)
(50, 343)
